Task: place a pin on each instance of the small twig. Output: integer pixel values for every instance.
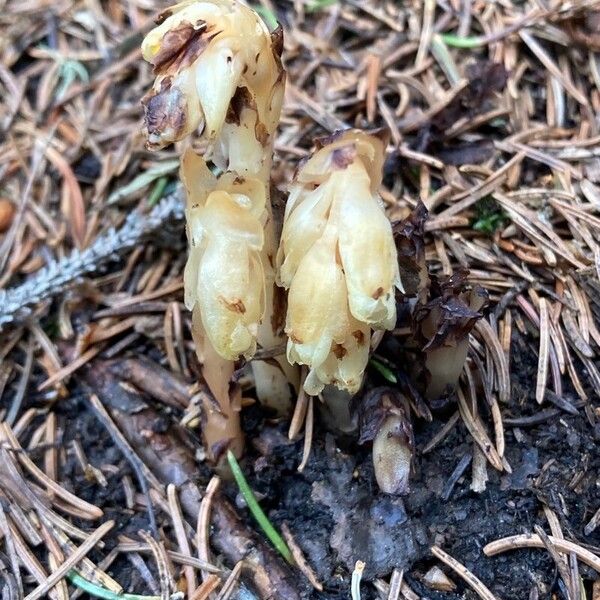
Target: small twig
(442, 433)
(229, 585)
(211, 583)
(164, 576)
(176, 557)
(593, 523)
(182, 540)
(71, 561)
(395, 585)
(534, 541)
(30, 562)
(203, 526)
(559, 561)
(461, 467)
(299, 558)
(11, 550)
(7, 434)
(15, 407)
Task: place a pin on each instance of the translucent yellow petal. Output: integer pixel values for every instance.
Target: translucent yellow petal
(303, 226)
(217, 78)
(230, 300)
(367, 251)
(316, 295)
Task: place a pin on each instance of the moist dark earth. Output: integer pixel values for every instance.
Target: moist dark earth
(338, 516)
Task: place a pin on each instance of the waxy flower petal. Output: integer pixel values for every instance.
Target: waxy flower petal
(338, 259)
(224, 279)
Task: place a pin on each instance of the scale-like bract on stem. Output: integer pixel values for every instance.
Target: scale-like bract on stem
(442, 326)
(338, 259)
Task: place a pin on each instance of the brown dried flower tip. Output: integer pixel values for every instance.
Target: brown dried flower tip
(204, 53)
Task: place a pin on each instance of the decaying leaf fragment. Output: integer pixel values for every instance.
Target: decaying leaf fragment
(409, 234)
(338, 259)
(442, 327)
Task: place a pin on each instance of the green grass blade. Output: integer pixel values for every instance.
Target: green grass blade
(256, 510)
(383, 369)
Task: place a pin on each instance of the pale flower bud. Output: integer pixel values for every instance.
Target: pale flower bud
(211, 58)
(338, 258)
(223, 277)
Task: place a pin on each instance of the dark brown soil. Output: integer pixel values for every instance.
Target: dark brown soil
(338, 516)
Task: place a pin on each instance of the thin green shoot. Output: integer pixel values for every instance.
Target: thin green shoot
(143, 180)
(158, 190)
(444, 59)
(378, 364)
(256, 510)
(100, 592)
(462, 42)
(69, 71)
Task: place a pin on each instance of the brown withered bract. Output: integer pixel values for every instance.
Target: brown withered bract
(181, 46)
(164, 110)
(384, 418)
(452, 308)
(240, 100)
(442, 326)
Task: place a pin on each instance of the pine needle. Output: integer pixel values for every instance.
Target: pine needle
(100, 592)
(16, 304)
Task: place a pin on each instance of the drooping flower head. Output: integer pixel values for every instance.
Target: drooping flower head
(212, 59)
(338, 259)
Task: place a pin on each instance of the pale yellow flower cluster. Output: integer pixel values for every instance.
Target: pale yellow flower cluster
(218, 71)
(338, 259)
(223, 277)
